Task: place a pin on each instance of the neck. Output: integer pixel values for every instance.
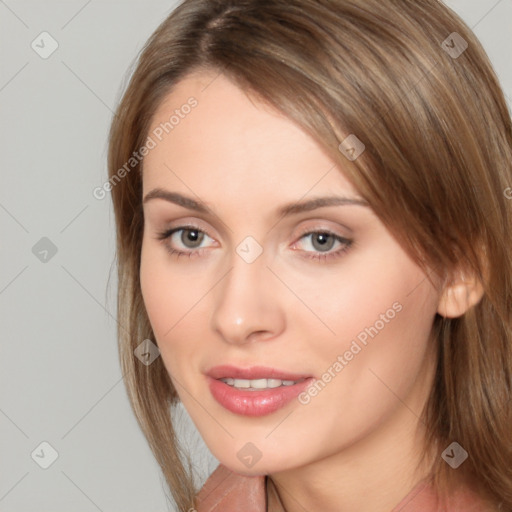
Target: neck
(373, 474)
(364, 478)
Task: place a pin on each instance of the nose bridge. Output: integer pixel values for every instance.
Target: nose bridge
(245, 306)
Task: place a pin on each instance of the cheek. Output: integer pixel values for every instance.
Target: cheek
(172, 300)
(164, 298)
(377, 317)
(362, 297)
(380, 351)
(158, 302)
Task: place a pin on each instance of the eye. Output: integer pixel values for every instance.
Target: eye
(185, 240)
(191, 241)
(322, 245)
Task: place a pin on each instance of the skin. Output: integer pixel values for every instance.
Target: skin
(354, 446)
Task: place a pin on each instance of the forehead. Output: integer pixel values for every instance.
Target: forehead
(210, 135)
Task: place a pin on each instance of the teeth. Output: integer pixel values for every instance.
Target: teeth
(258, 383)
(254, 384)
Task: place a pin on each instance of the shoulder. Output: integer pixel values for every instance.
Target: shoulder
(226, 491)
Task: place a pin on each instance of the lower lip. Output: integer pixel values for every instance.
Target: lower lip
(254, 403)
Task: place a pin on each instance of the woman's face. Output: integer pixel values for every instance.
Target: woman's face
(313, 315)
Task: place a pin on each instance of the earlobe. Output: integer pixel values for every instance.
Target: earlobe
(459, 296)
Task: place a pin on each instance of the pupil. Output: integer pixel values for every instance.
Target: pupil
(323, 241)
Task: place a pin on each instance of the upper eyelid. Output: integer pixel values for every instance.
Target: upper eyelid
(187, 225)
(299, 217)
(208, 215)
(198, 224)
(331, 231)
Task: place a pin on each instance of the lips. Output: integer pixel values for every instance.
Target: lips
(255, 391)
(255, 372)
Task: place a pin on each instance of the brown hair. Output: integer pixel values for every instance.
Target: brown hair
(435, 170)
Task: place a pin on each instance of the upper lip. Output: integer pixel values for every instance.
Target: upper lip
(254, 372)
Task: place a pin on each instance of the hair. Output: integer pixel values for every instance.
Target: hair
(436, 169)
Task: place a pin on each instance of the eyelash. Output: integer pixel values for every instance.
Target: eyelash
(319, 256)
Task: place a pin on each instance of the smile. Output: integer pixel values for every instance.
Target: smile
(255, 391)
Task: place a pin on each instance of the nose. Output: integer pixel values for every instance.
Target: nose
(246, 307)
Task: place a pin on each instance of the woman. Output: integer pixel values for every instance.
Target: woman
(313, 226)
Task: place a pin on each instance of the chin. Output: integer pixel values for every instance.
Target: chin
(259, 468)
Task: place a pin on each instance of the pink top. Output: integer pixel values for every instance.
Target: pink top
(225, 491)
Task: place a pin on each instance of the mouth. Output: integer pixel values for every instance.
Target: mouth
(255, 391)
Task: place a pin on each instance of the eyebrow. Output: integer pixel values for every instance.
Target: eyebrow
(289, 209)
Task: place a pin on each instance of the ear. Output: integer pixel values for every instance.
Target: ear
(459, 295)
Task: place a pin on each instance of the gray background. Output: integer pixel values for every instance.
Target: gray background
(60, 379)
